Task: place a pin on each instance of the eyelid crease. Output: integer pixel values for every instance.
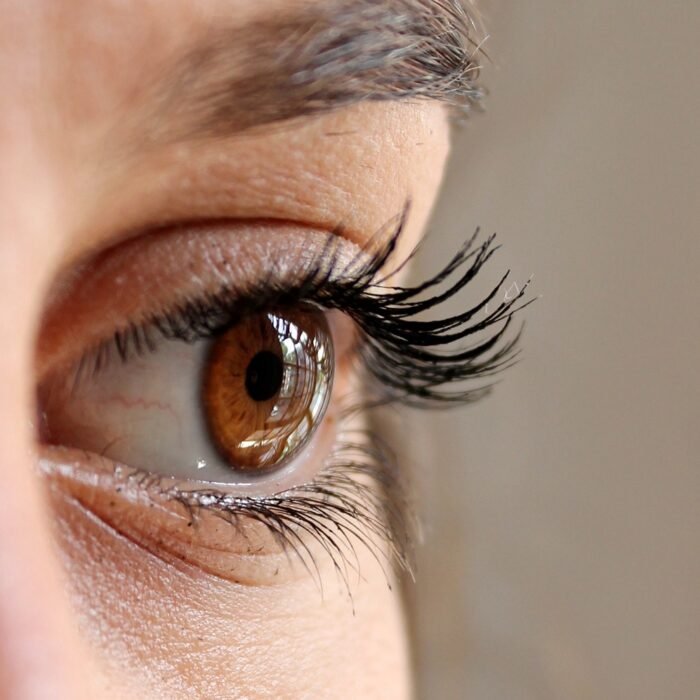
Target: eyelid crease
(123, 285)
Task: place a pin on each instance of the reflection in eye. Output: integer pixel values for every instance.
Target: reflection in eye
(267, 385)
(218, 404)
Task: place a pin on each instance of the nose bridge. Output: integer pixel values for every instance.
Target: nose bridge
(34, 619)
(38, 647)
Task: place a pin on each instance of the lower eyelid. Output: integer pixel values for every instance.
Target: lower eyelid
(125, 502)
(356, 503)
(173, 520)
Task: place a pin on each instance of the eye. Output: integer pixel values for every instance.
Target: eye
(230, 396)
(228, 409)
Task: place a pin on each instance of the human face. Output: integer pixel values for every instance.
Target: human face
(151, 150)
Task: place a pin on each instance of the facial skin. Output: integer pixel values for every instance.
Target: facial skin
(91, 158)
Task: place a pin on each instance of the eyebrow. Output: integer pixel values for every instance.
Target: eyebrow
(320, 58)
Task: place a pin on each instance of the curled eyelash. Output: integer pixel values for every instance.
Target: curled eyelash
(412, 361)
(411, 357)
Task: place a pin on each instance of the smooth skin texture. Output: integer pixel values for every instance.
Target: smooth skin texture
(84, 611)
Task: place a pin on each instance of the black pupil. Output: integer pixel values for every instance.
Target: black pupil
(263, 377)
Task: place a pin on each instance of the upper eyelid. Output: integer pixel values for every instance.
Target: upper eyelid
(123, 289)
(398, 349)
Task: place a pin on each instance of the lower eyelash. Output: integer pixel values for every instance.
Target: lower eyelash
(358, 497)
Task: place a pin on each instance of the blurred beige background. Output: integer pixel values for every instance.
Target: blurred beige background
(563, 544)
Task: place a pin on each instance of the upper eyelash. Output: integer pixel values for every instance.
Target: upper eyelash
(411, 358)
(395, 347)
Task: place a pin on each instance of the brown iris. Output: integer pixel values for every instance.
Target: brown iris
(266, 386)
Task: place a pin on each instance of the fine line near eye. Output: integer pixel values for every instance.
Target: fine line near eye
(360, 498)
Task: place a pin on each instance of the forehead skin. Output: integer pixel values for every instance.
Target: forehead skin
(81, 172)
(100, 73)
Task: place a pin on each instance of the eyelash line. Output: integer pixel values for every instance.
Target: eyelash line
(408, 357)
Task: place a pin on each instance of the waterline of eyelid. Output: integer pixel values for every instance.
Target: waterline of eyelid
(104, 470)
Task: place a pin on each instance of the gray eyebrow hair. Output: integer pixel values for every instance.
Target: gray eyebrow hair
(320, 58)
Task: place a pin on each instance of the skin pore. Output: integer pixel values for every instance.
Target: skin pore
(96, 155)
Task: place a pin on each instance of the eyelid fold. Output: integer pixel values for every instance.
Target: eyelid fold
(131, 284)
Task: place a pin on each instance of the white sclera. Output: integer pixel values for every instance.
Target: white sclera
(147, 413)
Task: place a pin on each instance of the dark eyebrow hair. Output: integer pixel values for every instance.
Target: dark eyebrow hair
(323, 57)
